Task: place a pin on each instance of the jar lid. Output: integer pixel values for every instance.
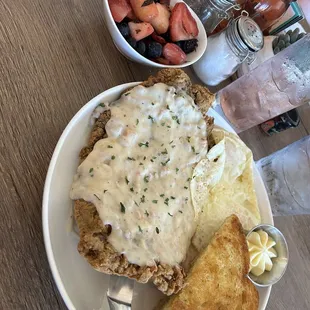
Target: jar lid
(250, 33)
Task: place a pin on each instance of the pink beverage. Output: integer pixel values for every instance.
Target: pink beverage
(276, 86)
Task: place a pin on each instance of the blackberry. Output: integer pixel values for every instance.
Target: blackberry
(179, 44)
(188, 46)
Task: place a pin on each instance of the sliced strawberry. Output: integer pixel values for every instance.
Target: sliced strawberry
(140, 31)
(131, 15)
(174, 54)
(161, 21)
(119, 9)
(158, 38)
(162, 61)
(145, 10)
(183, 26)
(189, 22)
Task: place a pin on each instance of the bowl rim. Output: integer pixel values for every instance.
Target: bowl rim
(147, 61)
(261, 226)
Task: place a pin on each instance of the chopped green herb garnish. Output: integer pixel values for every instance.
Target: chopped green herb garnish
(123, 209)
(152, 103)
(166, 162)
(198, 127)
(177, 170)
(173, 146)
(126, 94)
(180, 211)
(146, 144)
(157, 230)
(170, 214)
(193, 149)
(143, 198)
(171, 142)
(167, 201)
(140, 229)
(152, 160)
(151, 118)
(112, 157)
(172, 197)
(162, 195)
(137, 122)
(144, 158)
(185, 187)
(154, 201)
(163, 123)
(175, 118)
(110, 147)
(168, 126)
(141, 164)
(102, 105)
(105, 191)
(131, 189)
(188, 139)
(146, 213)
(165, 152)
(154, 157)
(188, 179)
(145, 189)
(97, 197)
(146, 179)
(136, 204)
(131, 158)
(127, 181)
(168, 107)
(91, 170)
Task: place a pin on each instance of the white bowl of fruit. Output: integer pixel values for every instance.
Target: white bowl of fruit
(158, 33)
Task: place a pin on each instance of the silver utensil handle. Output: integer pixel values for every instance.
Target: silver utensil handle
(114, 305)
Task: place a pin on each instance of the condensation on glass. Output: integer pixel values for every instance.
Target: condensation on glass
(276, 86)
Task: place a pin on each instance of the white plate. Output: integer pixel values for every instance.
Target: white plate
(81, 287)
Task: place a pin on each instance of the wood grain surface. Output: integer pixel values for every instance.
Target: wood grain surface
(55, 55)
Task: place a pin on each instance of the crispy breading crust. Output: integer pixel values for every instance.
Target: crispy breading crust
(217, 279)
(93, 244)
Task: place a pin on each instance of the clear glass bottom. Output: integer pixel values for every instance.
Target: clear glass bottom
(286, 175)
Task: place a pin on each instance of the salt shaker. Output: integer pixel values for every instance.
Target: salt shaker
(227, 50)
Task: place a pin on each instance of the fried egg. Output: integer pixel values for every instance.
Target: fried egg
(222, 185)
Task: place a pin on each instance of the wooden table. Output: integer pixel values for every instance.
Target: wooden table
(55, 56)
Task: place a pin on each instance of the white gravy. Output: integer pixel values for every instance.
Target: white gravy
(138, 178)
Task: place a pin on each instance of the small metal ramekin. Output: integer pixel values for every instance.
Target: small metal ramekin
(279, 263)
